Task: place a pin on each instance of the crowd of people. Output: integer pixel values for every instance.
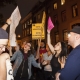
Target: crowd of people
(46, 62)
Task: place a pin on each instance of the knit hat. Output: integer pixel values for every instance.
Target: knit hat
(3, 36)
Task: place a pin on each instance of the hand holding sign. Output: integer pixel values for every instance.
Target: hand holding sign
(50, 24)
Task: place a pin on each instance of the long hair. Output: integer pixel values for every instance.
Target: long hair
(64, 50)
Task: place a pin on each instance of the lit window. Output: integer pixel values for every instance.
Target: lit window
(62, 2)
(74, 10)
(55, 5)
(30, 21)
(25, 25)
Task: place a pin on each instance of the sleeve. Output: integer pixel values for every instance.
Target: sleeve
(34, 63)
(14, 56)
(72, 67)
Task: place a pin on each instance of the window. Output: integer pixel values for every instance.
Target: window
(65, 35)
(30, 30)
(56, 37)
(48, 10)
(62, 2)
(25, 25)
(27, 22)
(25, 32)
(63, 15)
(34, 20)
(55, 19)
(74, 10)
(30, 21)
(38, 16)
(55, 5)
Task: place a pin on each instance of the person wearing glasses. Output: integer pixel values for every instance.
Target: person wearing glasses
(71, 70)
(6, 72)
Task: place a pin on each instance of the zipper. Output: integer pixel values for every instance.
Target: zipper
(22, 68)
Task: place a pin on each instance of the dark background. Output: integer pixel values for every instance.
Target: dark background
(8, 6)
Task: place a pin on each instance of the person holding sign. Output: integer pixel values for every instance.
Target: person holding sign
(59, 52)
(6, 72)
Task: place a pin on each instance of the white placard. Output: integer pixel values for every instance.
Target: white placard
(15, 18)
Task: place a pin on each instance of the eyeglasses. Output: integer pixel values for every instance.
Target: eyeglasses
(28, 45)
(2, 46)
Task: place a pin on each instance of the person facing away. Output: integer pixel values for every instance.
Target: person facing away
(71, 70)
(6, 72)
(59, 52)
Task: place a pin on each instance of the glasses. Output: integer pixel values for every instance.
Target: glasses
(28, 45)
(2, 46)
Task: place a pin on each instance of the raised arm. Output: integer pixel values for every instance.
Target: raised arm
(37, 53)
(14, 56)
(49, 42)
(8, 22)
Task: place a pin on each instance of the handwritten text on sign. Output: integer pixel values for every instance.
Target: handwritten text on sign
(37, 31)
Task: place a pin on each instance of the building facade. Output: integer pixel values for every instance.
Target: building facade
(64, 14)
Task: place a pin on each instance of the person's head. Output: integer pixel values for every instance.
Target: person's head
(57, 47)
(74, 37)
(27, 47)
(42, 45)
(3, 40)
(61, 47)
(23, 44)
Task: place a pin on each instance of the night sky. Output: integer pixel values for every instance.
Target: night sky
(24, 6)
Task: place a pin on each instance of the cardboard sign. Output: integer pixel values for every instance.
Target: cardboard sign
(38, 31)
